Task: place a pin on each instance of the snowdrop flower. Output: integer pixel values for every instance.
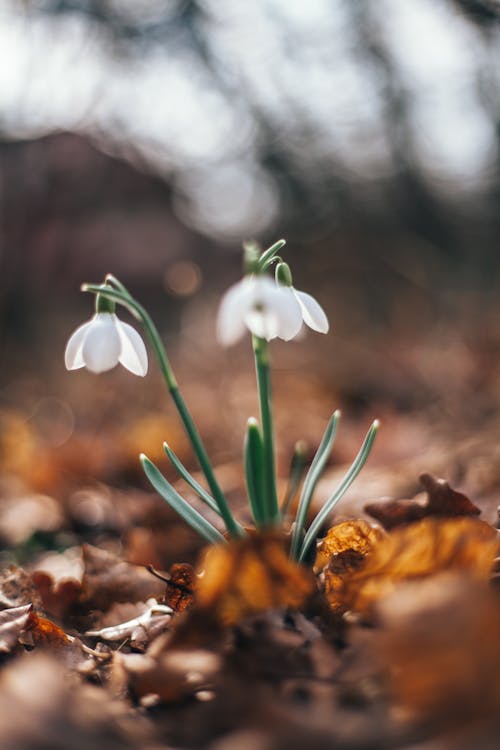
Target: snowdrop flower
(103, 342)
(311, 311)
(258, 304)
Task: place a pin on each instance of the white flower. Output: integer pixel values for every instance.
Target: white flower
(104, 341)
(268, 310)
(257, 303)
(313, 314)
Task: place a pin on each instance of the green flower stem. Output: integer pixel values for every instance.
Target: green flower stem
(264, 386)
(154, 337)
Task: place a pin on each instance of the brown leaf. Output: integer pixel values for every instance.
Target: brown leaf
(13, 621)
(108, 579)
(417, 551)
(248, 576)
(180, 587)
(46, 633)
(350, 536)
(441, 666)
(17, 588)
(343, 550)
(58, 597)
(441, 500)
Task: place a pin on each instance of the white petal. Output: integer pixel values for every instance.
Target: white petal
(262, 323)
(312, 312)
(288, 313)
(133, 352)
(101, 346)
(230, 324)
(73, 354)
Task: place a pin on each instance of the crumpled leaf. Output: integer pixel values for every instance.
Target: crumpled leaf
(58, 597)
(154, 618)
(17, 589)
(108, 579)
(248, 576)
(343, 551)
(46, 633)
(22, 625)
(440, 500)
(440, 639)
(357, 536)
(417, 551)
(13, 622)
(180, 587)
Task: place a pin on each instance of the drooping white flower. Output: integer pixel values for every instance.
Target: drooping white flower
(103, 342)
(258, 304)
(311, 311)
(313, 314)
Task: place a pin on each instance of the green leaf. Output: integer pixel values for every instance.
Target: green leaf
(255, 472)
(311, 480)
(297, 465)
(200, 491)
(348, 479)
(203, 527)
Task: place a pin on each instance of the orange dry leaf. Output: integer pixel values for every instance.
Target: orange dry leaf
(417, 551)
(358, 537)
(343, 551)
(46, 633)
(441, 666)
(248, 576)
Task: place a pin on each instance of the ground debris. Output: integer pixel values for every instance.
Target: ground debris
(440, 500)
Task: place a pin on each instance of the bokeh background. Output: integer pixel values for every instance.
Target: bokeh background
(148, 138)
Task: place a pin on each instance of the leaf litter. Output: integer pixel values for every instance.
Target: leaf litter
(244, 646)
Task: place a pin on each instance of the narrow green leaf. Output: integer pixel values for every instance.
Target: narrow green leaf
(311, 480)
(255, 472)
(348, 479)
(203, 527)
(295, 473)
(200, 491)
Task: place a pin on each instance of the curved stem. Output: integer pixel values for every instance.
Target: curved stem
(168, 375)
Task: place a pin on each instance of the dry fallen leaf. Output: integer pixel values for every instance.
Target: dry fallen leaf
(17, 588)
(13, 622)
(441, 666)
(440, 500)
(180, 587)
(108, 579)
(356, 536)
(248, 576)
(417, 551)
(343, 551)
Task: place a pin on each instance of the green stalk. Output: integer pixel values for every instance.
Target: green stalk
(272, 512)
(143, 316)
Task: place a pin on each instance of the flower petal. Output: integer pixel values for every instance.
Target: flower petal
(101, 346)
(73, 354)
(288, 312)
(230, 325)
(312, 312)
(133, 354)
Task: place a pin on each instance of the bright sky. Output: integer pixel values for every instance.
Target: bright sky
(62, 74)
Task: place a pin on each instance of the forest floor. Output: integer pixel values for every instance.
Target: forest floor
(389, 638)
